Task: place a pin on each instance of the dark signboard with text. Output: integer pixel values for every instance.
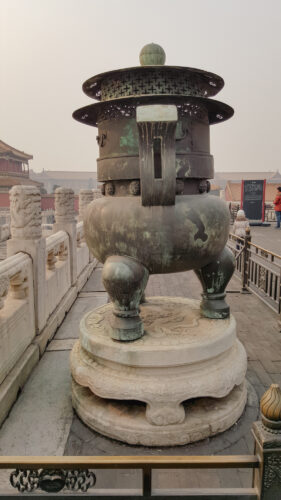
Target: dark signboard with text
(252, 199)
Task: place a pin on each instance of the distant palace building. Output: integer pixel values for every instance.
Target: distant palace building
(65, 178)
(221, 178)
(233, 186)
(14, 168)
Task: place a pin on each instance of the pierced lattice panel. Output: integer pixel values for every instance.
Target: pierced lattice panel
(155, 82)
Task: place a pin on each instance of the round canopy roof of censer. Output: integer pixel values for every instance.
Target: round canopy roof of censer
(153, 82)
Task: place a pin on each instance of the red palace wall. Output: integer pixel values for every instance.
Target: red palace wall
(47, 201)
(4, 200)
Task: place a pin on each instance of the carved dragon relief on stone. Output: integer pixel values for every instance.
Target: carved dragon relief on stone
(25, 209)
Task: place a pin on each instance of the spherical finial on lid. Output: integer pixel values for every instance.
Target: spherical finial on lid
(270, 405)
(152, 55)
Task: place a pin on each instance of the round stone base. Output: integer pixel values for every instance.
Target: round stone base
(126, 420)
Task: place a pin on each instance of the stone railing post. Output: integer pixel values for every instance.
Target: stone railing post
(85, 197)
(65, 220)
(245, 262)
(26, 236)
(267, 435)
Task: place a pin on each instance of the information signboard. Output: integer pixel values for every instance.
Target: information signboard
(252, 199)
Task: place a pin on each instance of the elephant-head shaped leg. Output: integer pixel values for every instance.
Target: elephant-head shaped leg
(214, 279)
(125, 280)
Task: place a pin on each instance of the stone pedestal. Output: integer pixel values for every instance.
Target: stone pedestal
(181, 382)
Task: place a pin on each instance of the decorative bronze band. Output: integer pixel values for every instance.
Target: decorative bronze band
(133, 187)
(191, 166)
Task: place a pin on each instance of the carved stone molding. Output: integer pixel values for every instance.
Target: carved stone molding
(64, 205)
(19, 286)
(204, 417)
(25, 210)
(162, 390)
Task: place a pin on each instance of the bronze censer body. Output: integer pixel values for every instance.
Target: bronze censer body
(157, 370)
(157, 215)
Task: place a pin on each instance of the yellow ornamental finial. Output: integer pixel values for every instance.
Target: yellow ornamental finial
(270, 406)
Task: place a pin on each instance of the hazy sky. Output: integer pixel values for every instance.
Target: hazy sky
(50, 47)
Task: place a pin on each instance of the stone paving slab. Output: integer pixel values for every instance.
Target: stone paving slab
(40, 420)
(267, 237)
(61, 345)
(94, 283)
(69, 329)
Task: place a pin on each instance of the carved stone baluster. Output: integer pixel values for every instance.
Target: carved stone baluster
(26, 236)
(4, 288)
(97, 194)
(267, 434)
(65, 221)
(25, 209)
(62, 253)
(51, 260)
(85, 197)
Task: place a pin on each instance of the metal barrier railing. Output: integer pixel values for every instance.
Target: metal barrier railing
(73, 474)
(260, 270)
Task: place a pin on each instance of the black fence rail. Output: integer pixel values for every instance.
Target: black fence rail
(66, 477)
(260, 270)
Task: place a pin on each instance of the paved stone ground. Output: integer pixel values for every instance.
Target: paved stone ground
(264, 358)
(267, 237)
(42, 422)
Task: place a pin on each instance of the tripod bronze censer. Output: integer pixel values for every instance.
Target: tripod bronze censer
(161, 370)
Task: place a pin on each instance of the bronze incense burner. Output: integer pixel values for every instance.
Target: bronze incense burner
(157, 214)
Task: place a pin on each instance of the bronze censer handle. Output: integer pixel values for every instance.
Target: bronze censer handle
(157, 127)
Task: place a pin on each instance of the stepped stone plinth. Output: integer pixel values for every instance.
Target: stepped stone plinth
(182, 381)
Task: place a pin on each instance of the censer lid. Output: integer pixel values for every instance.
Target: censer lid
(153, 78)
